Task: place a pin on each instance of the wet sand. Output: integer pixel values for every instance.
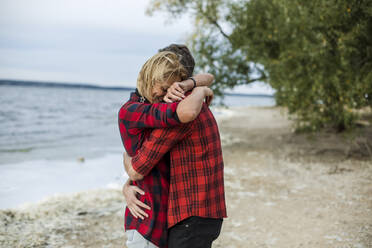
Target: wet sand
(282, 190)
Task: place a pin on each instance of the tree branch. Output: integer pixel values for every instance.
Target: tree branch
(253, 80)
(215, 23)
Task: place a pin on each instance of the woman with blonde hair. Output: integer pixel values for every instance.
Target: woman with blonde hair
(162, 78)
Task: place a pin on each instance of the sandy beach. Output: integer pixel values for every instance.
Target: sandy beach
(282, 190)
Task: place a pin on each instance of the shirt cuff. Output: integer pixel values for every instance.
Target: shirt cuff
(139, 164)
(172, 113)
(176, 117)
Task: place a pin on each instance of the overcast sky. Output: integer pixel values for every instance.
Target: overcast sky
(101, 42)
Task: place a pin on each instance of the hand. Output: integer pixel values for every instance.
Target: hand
(208, 95)
(134, 205)
(175, 92)
(187, 84)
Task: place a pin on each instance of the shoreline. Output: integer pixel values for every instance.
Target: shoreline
(278, 183)
(32, 181)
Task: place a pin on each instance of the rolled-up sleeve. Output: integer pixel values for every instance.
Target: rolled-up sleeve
(157, 115)
(157, 145)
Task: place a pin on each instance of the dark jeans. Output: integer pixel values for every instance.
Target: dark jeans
(194, 232)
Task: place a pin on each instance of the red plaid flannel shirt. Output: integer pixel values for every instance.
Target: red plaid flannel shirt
(196, 167)
(136, 121)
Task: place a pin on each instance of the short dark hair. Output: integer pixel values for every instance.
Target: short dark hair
(186, 59)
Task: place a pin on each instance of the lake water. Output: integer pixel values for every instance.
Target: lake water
(46, 132)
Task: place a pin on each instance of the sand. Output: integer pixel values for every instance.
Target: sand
(282, 190)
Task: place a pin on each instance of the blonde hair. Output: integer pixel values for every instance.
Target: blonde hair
(159, 68)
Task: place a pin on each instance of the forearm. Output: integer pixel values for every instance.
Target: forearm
(189, 108)
(133, 175)
(202, 79)
(127, 184)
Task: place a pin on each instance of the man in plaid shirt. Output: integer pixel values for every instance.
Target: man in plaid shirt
(136, 118)
(196, 203)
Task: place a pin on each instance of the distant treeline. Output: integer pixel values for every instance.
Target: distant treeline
(61, 85)
(94, 87)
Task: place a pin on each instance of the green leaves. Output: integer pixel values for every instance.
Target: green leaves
(316, 54)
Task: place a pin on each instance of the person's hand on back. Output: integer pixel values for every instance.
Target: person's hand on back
(134, 205)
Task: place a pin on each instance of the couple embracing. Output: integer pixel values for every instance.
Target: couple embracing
(175, 192)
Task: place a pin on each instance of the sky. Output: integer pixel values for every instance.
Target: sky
(103, 42)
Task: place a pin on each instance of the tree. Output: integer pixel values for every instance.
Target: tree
(317, 55)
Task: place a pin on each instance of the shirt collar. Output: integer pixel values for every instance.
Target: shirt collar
(136, 97)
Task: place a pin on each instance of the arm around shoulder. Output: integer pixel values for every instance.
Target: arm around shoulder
(201, 79)
(204, 79)
(189, 108)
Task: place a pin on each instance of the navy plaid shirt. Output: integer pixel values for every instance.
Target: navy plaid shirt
(137, 118)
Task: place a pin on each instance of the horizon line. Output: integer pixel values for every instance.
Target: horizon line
(30, 83)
